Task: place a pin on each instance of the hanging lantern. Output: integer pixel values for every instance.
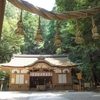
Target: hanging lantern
(20, 30)
(38, 36)
(79, 39)
(57, 41)
(95, 34)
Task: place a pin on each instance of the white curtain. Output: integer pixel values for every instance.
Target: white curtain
(62, 78)
(19, 79)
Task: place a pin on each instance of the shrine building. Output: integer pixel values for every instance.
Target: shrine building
(40, 72)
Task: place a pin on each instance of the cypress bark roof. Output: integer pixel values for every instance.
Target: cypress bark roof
(29, 60)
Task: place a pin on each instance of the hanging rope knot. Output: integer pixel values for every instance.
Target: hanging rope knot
(38, 36)
(78, 39)
(20, 30)
(78, 34)
(57, 41)
(94, 27)
(39, 31)
(20, 24)
(95, 34)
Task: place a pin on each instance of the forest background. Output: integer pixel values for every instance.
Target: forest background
(87, 53)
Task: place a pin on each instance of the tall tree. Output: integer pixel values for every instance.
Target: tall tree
(30, 27)
(10, 42)
(88, 52)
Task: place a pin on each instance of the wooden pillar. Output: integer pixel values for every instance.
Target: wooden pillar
(70, 71)
(2, 9)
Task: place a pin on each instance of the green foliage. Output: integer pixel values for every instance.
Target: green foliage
(30, 28)
(49, 47)
(3, 75)
(10, 42)
(11, 11)
(87, 53)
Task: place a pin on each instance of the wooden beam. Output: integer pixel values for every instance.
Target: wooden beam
(2, 9)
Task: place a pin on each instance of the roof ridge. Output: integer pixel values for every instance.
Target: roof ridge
(39, 55)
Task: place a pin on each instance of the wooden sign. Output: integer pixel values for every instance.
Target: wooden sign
(41, 74)
(79, 75)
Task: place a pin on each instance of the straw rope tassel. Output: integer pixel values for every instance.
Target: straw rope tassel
(38, 36)
(95, 34)
(57, 41)
(78, 39)
(39, 23)
(20, 30)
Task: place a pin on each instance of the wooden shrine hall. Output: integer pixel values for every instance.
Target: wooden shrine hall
(40, 72)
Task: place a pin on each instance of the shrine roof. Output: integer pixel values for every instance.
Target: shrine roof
(23, 60)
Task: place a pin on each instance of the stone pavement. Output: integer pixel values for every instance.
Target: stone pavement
(48, 95)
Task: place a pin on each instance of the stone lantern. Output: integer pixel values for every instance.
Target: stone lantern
(1, 82)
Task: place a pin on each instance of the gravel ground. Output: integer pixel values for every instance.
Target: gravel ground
(48, 95)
